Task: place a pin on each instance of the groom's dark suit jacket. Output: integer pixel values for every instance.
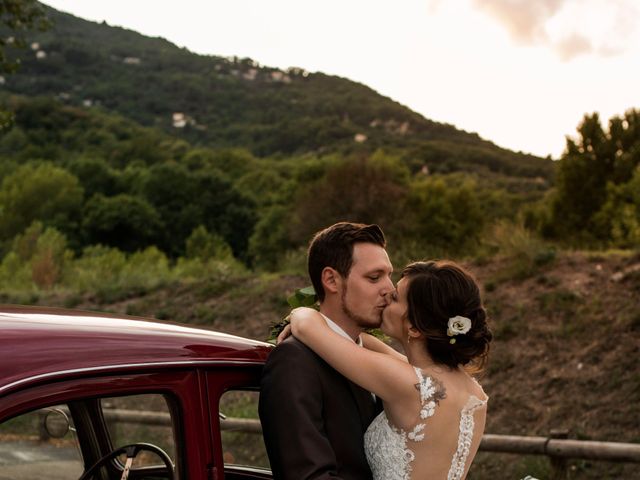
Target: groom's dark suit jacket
(313, 418)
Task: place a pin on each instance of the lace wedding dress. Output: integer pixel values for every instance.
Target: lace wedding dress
(386, 446)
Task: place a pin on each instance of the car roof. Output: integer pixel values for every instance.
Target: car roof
(37, 343)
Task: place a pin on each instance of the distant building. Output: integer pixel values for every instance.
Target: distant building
(179, 120)
(280, 77)
(360, 137)
(250, 74)
(131, 60)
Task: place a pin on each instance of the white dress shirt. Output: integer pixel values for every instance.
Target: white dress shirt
(338, 329)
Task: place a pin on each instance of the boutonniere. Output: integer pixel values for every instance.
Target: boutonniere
(302, 297)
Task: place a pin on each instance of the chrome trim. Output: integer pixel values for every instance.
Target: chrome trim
(106, 368)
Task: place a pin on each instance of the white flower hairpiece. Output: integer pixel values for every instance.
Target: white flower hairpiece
(458, 325)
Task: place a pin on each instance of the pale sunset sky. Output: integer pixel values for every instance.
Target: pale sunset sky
(521, 73)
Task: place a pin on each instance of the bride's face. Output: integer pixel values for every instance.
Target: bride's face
(394, 322)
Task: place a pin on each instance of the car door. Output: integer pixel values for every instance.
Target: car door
(165, 408)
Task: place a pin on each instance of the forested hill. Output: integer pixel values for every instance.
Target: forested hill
(231, 102)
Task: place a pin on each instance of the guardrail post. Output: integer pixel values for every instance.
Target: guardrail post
(559, 470)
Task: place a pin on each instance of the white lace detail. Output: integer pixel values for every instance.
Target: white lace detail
(386, 447)
(458, 464)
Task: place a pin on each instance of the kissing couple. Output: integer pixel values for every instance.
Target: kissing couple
(337, 403)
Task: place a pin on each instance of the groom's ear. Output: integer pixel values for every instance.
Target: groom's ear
(331, 280)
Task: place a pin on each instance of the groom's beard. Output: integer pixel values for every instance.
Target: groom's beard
(359, 320)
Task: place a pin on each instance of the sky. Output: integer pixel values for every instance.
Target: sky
(520, 73)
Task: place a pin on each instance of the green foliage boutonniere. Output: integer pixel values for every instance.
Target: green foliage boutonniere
(303, 297)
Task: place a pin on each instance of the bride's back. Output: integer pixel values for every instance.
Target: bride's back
(444, 427)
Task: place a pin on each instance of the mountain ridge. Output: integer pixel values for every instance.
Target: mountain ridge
(231, 102)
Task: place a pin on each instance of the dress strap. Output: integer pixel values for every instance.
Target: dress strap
(465, 437)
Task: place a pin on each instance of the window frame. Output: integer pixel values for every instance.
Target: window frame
(220, 380)
(180, 386)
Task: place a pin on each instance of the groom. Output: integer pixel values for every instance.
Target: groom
(314, 419)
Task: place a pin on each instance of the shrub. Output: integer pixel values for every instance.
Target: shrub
(99, 266)
(524, 251)
(204, 245)
(50, 258)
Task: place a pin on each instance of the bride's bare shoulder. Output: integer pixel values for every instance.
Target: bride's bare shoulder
(456, 382)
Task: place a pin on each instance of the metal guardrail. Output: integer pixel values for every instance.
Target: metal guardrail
(246, 425)
(563, 448)
(549, 446)
(557, 446)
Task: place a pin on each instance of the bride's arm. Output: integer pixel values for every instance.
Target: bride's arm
(380, 373)
(372, 343)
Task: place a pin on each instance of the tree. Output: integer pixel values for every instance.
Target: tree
(18, 16)
(126, 222)
(96, 176)
(594, 162)
(187, 199)
(169, 188)
(39, 192)
(619, 217)
(270, 238)
(367, 190)
(443, 214)
(225, 211)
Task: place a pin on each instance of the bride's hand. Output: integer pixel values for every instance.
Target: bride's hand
(287, 331)
(284, 334)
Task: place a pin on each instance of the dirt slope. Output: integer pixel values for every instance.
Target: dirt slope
(565, 354)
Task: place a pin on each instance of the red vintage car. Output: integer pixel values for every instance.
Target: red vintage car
(90, 395)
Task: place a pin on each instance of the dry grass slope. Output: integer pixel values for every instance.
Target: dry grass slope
(565, 355)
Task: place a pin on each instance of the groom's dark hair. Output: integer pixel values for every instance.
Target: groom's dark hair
(333, 247)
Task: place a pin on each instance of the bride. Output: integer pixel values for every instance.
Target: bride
(434, 410)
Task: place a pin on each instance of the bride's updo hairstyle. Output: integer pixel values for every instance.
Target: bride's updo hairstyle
(438, 291)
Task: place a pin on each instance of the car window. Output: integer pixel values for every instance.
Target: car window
(242, 442)
(141, 419)
(40, 441)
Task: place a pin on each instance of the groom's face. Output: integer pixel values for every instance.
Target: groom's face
(364, 290)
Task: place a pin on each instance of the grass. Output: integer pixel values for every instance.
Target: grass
(523, 251)
(560, 301)
(507, 328)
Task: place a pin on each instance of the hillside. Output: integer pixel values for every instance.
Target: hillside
(230, 102)
(567, 339)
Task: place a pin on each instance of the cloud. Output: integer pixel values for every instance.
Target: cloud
(524, 19)
(433, 6)
(572, 46)
(568, 27)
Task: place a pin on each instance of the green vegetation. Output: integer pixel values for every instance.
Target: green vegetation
(100, 179)
(596, 201)
(122, 143)
(97, 173)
